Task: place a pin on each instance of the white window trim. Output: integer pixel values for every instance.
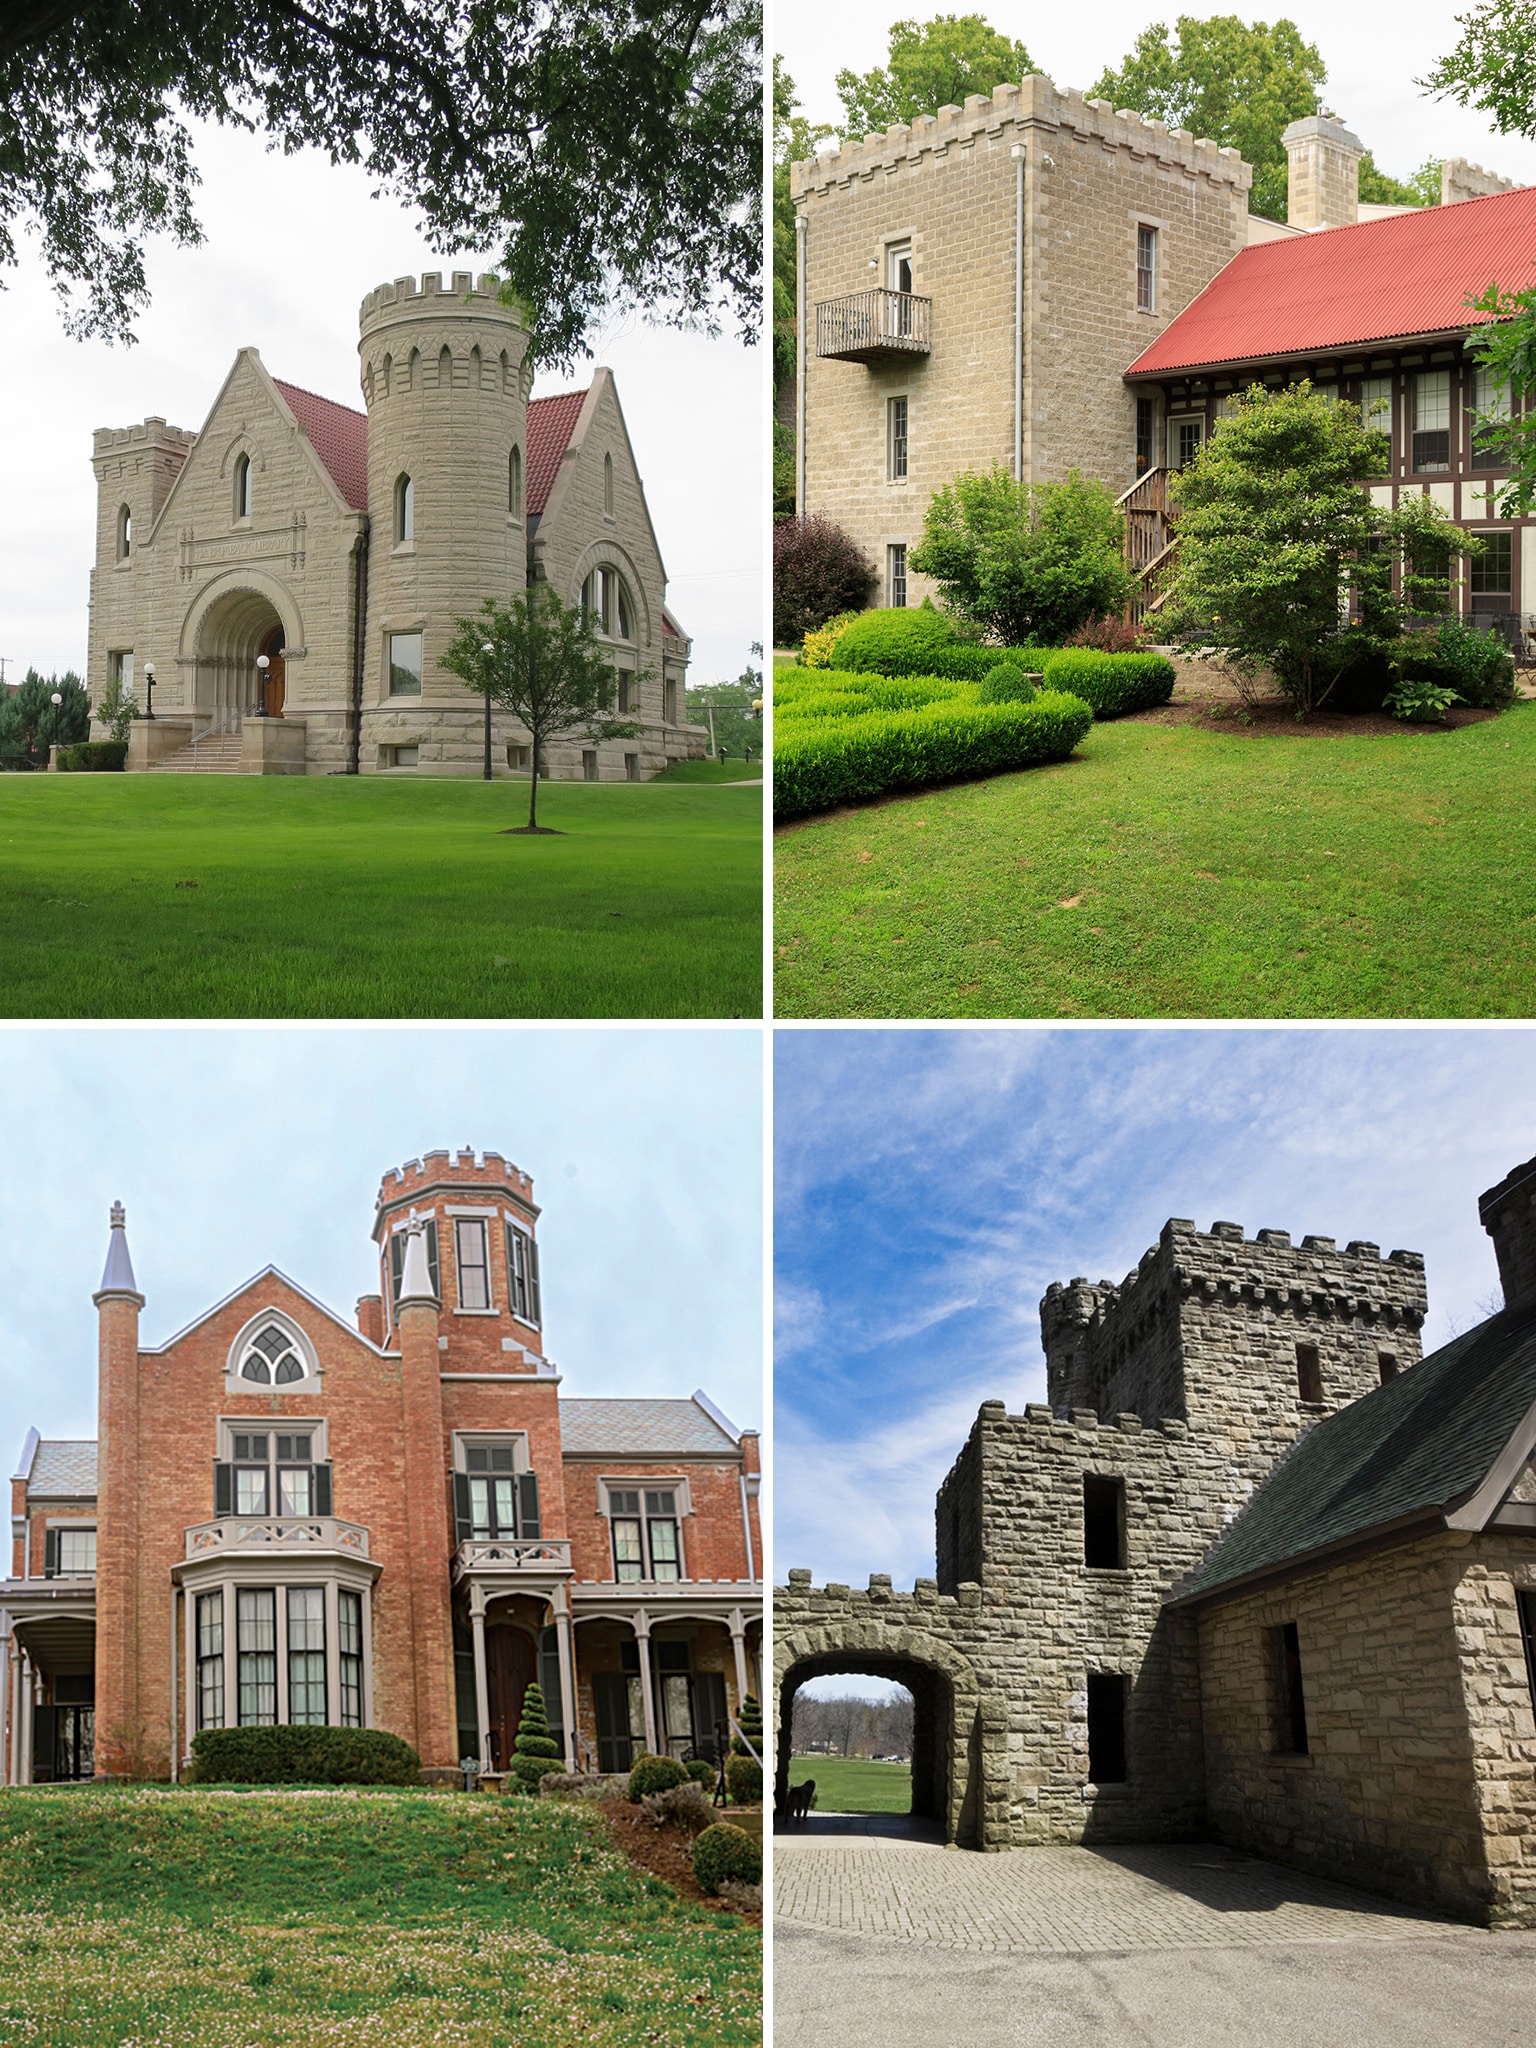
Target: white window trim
(484, 1217)
(273, 1425)
(259, 1575)
(898, 483)
(492, 1439)
(308, 1356)
(650, 1483)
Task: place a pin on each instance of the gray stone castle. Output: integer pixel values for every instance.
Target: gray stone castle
(1256, 1569)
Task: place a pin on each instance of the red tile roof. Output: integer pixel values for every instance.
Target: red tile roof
(1408, 274)
(551, 423)
(340, 439)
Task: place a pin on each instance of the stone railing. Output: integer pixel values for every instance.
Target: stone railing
(869, 325)
(537, 1555)
(276, 1532)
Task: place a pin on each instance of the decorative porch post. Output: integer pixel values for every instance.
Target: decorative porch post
(738, 1631)
(482, 1690)
(565, 1646)
(28, 1719)
(641, 1624)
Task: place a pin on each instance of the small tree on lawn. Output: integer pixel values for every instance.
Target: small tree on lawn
(1025, 563)
(1276, 529)
(540, 660)
(116, 710)
(534, 1749)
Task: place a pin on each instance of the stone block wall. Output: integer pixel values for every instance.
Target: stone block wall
(1500, 1713)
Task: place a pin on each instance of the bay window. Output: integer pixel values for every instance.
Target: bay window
(306, 1655)
(256, 1648)
(350, 1636)
(210, 1660)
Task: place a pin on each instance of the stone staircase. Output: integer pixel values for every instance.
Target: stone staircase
(217, 756)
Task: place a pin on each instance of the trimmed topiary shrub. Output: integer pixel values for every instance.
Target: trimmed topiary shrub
(823, 762)
(534, 1750)
(655, 1774)
(1007, 683)
(818, 571)
(743, 1780)
(898, 642)
(831, 693)
(94, 757)
(702, 1773)
(723, 1852)
(302, 1756)
(750, 1721)
(1112, 684)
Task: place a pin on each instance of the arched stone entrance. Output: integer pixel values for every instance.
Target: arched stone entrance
(238, 626)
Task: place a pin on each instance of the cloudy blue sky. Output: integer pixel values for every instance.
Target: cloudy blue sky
(929, 1184)
(233, 1148)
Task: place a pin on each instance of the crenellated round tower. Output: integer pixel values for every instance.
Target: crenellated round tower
(481, 1246)
(445, 378)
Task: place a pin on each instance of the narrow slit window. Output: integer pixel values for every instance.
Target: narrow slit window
(1309, 1373)
(896, 440)
(1386, 1366)
(608, 486)
(124, 533)
(1527, 1606)
(1146, 270)
(350, 1636)
(243, 487)
(405, 509)
(1106, 1728)
(210, 1660)
(896, 574)
(515, 483)
(1432, 420)
(1146, 434)
(1290, 1695)
(1103, 1522)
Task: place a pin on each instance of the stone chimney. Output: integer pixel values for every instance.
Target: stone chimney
(370, 1317)
(1461, 180)
(1507, 1214)
(1324, 188)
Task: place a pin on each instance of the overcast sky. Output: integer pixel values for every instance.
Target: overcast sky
(292, 247)
(930, 1184)
(1373, 53)
(235, 1149)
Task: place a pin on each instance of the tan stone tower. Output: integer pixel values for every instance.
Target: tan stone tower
(445, 380)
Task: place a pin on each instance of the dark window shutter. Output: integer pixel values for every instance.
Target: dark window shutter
(322, 1489)
(437, 1279)
(396, 1263)
(533, 1284)
(223, 1490)
(528, 1504)
(464, 1520)
(50, 1553)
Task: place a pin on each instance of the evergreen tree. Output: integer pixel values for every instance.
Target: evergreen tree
(30, 721)
(535, 1750)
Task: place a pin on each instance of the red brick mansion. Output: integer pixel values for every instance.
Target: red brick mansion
(397, 1523)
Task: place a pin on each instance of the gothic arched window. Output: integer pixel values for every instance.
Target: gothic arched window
(515, 483)
(273, 1359)
(243, 487)
(405, 509)
(124, 533)
(606, 601)
(608, 485)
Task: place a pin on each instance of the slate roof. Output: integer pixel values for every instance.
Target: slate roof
(641, 1429)
(63, 1470)
(339, 437)
(1408, 274)
(1420, 1444)
(551, 423)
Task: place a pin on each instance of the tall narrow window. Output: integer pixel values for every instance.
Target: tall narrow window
(1492, 574)
(523, 1276)
(896, 574)
(1146, 270)
(1106, 1727)
(628, 1547)
(1386, 1366)
(124, 533)
(242, 487)
(623, 618)
(256, 1649)
(1184, 439)
(661, 1536)
(473, 1263)
(306, 1656)
(122, 671)
(1490, 411)
(1146, 431)
(1432, 420)
(898, 267)
(1289, 1695)
(1376, 409)
(1309, 1373)
(210, 1660)
(1103, 1522)
(405, 664)
(515, 483)
(350, 1637)
(669, 701)
(608, 486)
(492, 1490)
(405, 509)
(896, 440)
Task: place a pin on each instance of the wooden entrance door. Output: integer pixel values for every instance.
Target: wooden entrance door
(272, 648)
(509, 1671)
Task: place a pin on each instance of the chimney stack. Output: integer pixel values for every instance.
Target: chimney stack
(1324, 184)
(1507, 1214)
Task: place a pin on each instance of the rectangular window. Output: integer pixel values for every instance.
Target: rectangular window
(523, 1276)
(492, 1507)
(1432, 420)
(306, 1656)
(250, 1489)
(77, 1552)
(669, 702)
(896, 574)
(1376, 409)
(661, 1530)
(628, 1550)
(645, 1546)
(1490, 403)
(1103, 1522)
(210, 1660)
(350, 1630)
(1106, 1727)
(256, 1648)
(1290, 1701)
(473, 1261)
(896, 440)
(898, 267)
(631, 767)
(1492, 573)
(122, 670)
(295, 1490)
(1146, 433)
(1309, 1373)
(589, 764)
(405, 664)
(1146, 270)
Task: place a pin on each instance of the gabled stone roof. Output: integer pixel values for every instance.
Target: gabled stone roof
(63, 1469)
(1414, 1448)
(640, 1429)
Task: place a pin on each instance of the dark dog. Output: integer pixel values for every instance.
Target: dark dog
(801, 1799)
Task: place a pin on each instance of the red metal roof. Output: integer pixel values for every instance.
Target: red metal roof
(1407, 274)
(340, 439)
(551, 423)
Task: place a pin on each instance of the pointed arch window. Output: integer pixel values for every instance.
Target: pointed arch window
(242, 487)
(608, 486)
(273, 1359)
(124, 532)
(515, 483)
(405, 509)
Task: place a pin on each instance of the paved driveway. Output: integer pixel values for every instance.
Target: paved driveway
(884, 1936)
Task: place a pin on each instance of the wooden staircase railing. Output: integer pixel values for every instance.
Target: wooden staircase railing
(1150, 542)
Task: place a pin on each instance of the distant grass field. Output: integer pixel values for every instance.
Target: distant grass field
(236, 896)
(1169, 871)
(852, 1784)
(386, 1919)
(734, 770)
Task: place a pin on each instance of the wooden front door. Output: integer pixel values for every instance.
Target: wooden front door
(510, 1660)
(272, 648)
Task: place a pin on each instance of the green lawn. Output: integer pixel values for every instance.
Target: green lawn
(236, 896)
(386, 1919)
(1168, 871)
(852, 1784)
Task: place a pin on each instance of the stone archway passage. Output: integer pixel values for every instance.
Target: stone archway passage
(239, 626)
(933, 1719)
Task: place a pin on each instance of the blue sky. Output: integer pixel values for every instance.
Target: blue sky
(929, 1184)
(233, 1148)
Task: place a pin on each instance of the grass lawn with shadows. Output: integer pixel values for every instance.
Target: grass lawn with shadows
(855, 1784)
(1169, 871)
(356, 896)
(282, 1919)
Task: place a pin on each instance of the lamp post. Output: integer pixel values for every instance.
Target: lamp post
(262, 665)
(149, 689)
(487, 648)
(55, 700)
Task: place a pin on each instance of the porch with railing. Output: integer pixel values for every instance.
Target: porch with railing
(867, 327)
(1150, 542)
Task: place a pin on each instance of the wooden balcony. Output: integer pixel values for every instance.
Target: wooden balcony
(873, 327)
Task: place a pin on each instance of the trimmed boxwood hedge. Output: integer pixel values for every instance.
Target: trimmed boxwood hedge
(1113, 684)
(842, 693)
(743, 1780)
(302, 1756)
(822, 762)
(1007, 683)
(724, 1851)
(897, 641)
(655, 1774)
(94, 757)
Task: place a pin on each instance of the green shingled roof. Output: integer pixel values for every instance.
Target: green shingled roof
(1424, 1441)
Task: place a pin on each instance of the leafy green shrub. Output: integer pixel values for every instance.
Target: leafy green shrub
(816, 647)
(1477, 666)
(1007, 683)
(818, 571)
(835, 693)
(899, 641)
(724, 1851)
(702, 1773)
(1112, 684)
(655, 1774)
(534, 1750)
(827, 704)
(302, 1756)
(94, 757)
(1113, 635)
(1420, 700)
(744, 1780)
(836, 761)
